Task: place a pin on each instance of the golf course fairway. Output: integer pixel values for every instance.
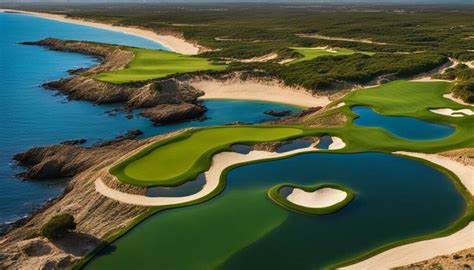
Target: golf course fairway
(311, 53)
(154, 64)
(183, 157)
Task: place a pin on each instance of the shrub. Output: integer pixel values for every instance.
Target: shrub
(57, 226)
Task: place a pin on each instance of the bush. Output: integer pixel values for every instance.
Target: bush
(57, 226)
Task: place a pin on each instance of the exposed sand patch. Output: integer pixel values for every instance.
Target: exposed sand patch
(320, 198)
(341, 104)
(423, 250)
(258, 90)
(453, 113)
(429, 79)
(457, 100)
(337, 143)
(263, 58)
(368, 41)
(173, 43)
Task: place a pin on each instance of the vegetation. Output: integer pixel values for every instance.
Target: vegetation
(243, 34)
(413, 99)
(420, 37)
(58, 226)
(274, 194)
(174, 161)
(309, 53)
(328, 72)
(152, 64)
(464, 88)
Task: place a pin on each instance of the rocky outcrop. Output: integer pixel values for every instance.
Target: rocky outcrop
(170, 113)
(277, 113)
(83, 86)
(95, 214)
(65, 160)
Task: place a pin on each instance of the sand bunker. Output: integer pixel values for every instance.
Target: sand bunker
(453, 113)
(320, 198)
(337, 143)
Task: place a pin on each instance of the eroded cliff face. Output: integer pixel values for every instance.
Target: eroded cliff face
(83, 86)
(95, 214)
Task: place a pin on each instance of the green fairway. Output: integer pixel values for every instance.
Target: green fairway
(171, 162)
(311, 53)
(152, 64)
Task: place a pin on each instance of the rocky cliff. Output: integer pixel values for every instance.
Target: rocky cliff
(83, 86)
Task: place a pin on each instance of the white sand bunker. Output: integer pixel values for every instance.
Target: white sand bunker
(320, 198)
(453, 113)
(337, 143)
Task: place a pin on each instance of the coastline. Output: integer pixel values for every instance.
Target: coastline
(175, 44)
(426, 249)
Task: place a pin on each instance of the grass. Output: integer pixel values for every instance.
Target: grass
(154, 64)
(172, 162)
(275, 196)
(401, 98)
(311, 53)
(175, 160)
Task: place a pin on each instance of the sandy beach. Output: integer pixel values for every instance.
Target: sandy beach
(272, 91)
(423, 250)
(173, 43)
(320, 198)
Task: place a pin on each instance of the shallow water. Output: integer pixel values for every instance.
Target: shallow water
(403, 127)
(32, 116)
(242, 229)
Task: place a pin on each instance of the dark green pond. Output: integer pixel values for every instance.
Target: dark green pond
(395, 198)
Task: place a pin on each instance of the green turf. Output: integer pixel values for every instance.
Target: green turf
(153, 64)
(275, 196)
(311, 53)
(174, 161)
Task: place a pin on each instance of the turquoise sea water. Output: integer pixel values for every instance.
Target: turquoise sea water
(395, 198)
(32, 116)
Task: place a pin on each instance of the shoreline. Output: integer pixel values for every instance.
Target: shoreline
(426, 249)
(270, 91)
(175, 44)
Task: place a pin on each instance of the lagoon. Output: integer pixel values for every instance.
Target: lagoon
(241, 228)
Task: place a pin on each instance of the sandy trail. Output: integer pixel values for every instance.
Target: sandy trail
(258, 90)
(316, 36)
(173, 43)
(320, 198)
(427, 249)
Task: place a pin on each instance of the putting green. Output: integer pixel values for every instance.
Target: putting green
(174, 161)
(153, 64)
(311, 53)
